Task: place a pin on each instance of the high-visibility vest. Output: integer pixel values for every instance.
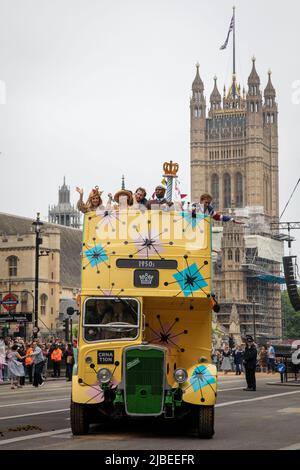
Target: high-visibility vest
(28, 360)
(56, 355)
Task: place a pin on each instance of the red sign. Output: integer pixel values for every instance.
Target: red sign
(9, 302)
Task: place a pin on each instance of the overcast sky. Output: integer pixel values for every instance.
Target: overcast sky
(92, 89)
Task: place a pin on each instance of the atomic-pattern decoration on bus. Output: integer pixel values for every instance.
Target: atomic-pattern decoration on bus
(149, 253)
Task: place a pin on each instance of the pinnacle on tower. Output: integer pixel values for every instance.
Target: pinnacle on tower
(123, 182)
(253, 77)
(215, 96)
(198, 83)
(269, 90)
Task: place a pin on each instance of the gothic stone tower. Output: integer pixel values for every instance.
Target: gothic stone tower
(64, 213)
(234, 156)
(234, 151)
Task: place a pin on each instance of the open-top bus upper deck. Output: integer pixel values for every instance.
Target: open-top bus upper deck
(146, 254)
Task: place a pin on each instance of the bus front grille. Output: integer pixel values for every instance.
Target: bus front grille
(144, 380)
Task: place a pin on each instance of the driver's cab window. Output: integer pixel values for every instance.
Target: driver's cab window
(110, 318)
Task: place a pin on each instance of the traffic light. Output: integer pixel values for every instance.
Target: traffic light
(66, 328)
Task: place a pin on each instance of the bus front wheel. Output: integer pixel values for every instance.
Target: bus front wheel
(202, 421)
(79, 419)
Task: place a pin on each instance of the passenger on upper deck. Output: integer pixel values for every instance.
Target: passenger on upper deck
(139, 199)
(123, 198)
(205, 207)
(93, 203)
(159, 202)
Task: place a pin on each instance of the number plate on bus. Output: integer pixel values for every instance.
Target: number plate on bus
(105, 357)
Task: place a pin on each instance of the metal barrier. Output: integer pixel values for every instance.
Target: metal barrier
(290, 371)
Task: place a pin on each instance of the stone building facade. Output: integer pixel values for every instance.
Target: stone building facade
(234, 157)
(59, 272)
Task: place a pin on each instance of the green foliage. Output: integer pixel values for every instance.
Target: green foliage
(291, 318)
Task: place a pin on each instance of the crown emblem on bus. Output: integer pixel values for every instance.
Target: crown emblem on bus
(146, 278)
(170, 168)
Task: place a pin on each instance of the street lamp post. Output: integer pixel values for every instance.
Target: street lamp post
(38, 241)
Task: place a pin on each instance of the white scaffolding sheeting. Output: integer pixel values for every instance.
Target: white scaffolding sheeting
(217, 233)
(267, 248)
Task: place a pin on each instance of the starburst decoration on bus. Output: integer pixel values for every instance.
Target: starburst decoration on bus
(96, 255)
(165, 335)
(148, 243)
(193, 219)
(202, 377)
(108, 217)
(189, 279)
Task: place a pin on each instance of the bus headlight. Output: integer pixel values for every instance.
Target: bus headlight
(104, 375)
(180, 375)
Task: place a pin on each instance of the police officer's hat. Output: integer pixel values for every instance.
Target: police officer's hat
(249, 338)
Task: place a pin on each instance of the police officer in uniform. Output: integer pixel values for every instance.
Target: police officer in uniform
(250, 357)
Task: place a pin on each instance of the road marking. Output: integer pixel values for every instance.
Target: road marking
(34, 436)
(228, 403)
(228, 389)
(289, 410)
(43, 390)
(34, 402)
(34, 414)
(292, 447)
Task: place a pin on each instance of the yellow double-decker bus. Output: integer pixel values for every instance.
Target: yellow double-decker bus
(145, 320)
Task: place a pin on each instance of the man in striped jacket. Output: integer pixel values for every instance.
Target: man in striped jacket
(205, 207)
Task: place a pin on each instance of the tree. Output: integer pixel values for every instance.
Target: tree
(291, 318)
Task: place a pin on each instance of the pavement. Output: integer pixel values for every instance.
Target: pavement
(267, 419)
(48, 379)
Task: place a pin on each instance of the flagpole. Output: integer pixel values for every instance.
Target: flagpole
(233, 40)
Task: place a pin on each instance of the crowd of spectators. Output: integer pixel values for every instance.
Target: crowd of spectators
(230, 359)
(18, 362)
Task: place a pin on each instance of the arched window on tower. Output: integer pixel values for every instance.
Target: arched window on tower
(227, 190)
(239, 190)
(215, 189)
(12, 266)
(44, 299)
(237, 255)
(229, 255)
(24, 301)
(267, 194)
